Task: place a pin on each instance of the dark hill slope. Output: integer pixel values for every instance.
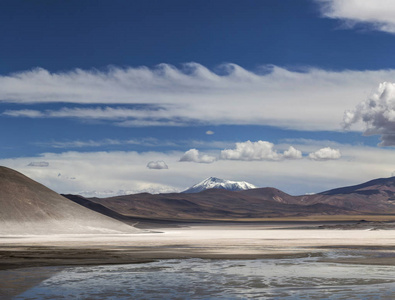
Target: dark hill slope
(372, 197)
(376, 197)
(376, 186)
(214, 204)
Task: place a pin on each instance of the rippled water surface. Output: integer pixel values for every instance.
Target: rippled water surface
(220, 279)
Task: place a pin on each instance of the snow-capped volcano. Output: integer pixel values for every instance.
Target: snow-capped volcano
(217, 183)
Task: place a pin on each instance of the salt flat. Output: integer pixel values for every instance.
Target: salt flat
(26, 252)
(206, 241)
(215, 235)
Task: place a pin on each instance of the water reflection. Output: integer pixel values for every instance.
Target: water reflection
(220, 279)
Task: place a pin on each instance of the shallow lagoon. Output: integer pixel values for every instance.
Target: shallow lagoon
(302, 278)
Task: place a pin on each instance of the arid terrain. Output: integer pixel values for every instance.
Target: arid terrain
(42, 228)
(358, 246)
(27, 207)
(373, 198)
(195, 241)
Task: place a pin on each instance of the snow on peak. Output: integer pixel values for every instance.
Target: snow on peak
(217, 183)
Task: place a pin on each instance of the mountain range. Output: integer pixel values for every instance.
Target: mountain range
(28, 207)
(376, 197)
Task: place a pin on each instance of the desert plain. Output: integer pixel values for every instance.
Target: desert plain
(42, 232)
(352, 241)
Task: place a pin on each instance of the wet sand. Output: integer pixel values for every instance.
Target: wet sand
(15, 281)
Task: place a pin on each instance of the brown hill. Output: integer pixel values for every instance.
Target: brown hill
(213, 204)
(27, 207)
(375, 197)
(385, 186)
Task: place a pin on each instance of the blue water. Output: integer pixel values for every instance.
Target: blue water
(220, 279)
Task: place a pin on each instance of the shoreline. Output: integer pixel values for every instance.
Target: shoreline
(21, 278)
(207, 241)
(26, 257)
(29, 257)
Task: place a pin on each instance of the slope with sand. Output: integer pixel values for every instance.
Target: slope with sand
(28, 207)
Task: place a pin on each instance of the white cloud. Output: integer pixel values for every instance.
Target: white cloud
(157, 165)
(125, 117)
(150, 142)
(25, 113)
(376, 14)
(118, 172)
(260, 150)
(41, 164)
(326, 153)
(193, 155)
(310, 100)
(99, 173)
(146, 142)
(209, 132)
(292, 153)
(377, 113)
(80, 144)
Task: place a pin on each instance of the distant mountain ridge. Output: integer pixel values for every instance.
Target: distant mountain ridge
(217, 183)
(370, 187)
(376, 197)
(29, 207)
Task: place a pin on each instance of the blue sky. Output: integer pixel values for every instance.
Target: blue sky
(292, 94)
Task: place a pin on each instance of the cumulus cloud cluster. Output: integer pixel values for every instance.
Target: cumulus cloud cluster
(376, 14)
(260, 151)
(292, 153)
(326, 153)
(171, 96)
(193, 155)
(157, 165)
(377, 113)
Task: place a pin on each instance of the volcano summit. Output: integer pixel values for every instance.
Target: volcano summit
(217, 183)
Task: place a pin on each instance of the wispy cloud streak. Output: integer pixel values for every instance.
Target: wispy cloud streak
(313, 99)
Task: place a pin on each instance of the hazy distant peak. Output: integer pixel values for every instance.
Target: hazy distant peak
(218, 183)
